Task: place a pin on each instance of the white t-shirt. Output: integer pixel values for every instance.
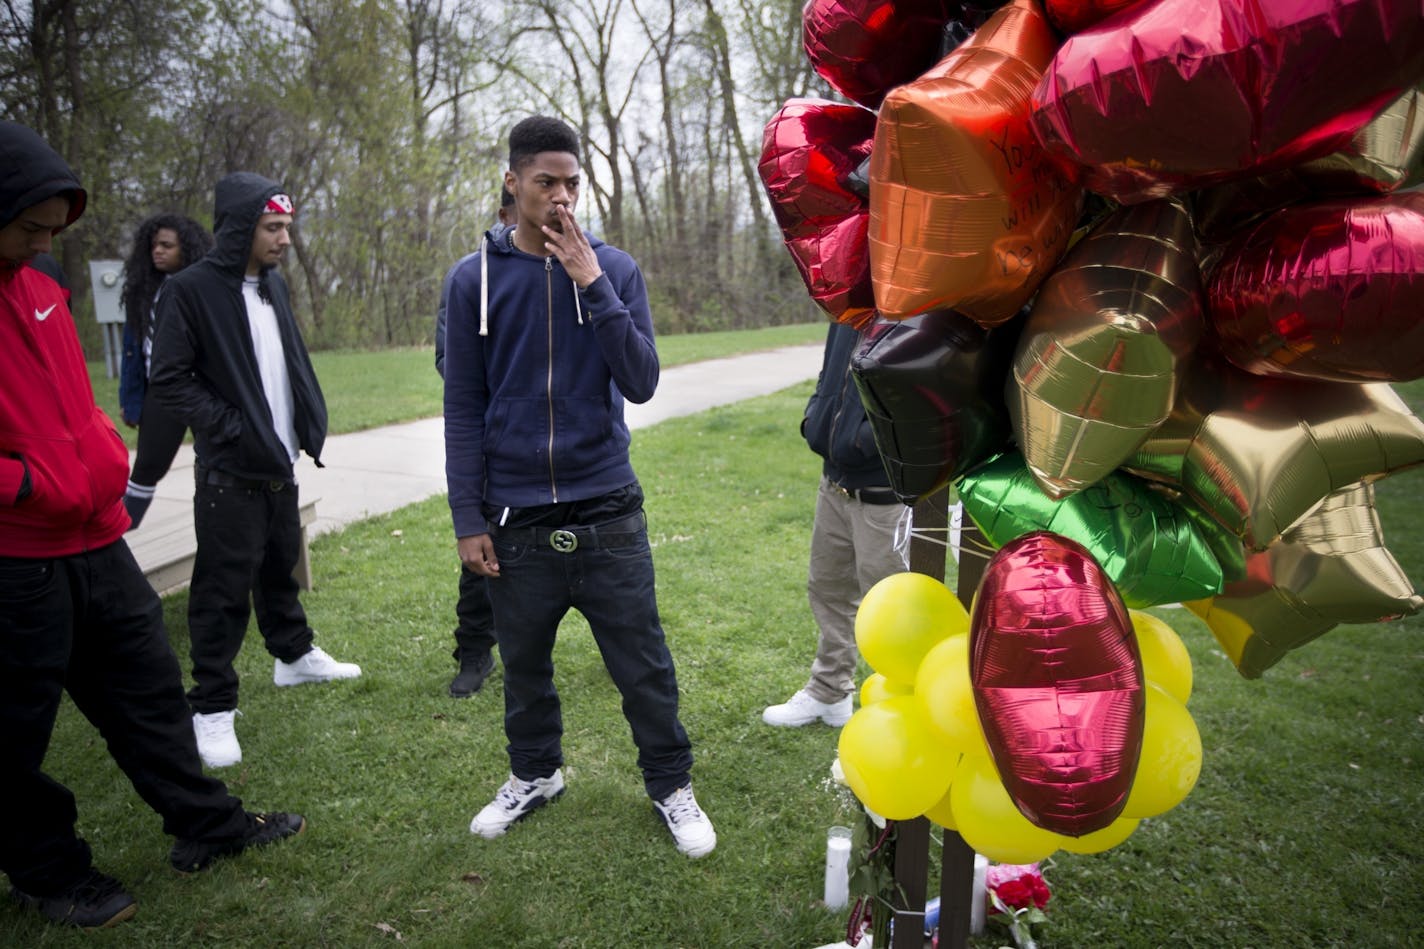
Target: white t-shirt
(271, 364)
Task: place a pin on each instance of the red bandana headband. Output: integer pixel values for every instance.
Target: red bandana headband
(278, 204)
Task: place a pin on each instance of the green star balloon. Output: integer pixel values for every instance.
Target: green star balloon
(1145, 542)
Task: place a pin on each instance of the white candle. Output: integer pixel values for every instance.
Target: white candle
(837, 893)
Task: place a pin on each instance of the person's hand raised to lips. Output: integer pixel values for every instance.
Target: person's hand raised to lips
(570, 245)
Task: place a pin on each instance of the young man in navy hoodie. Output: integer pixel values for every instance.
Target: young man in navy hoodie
(76, 613)
(230, 363)
(548, 332)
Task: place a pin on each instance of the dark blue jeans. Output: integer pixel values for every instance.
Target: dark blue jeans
(613, 588)
(90, 624)
(249, 541)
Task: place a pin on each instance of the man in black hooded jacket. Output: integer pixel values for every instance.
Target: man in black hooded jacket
(229, 362)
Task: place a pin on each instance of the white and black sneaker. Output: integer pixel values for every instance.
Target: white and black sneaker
(690, 827)
(516, 800)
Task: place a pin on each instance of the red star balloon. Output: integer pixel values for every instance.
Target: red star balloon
(1179, 94)
(1332, 290)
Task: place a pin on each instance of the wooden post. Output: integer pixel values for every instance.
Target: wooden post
(928, 545)
(956, 881)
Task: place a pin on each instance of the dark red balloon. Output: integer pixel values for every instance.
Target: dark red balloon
(1057, 680)
(1179, 94)
(933, 389)
(865, 48)
(1073, 16)
(1332, 290)
(810, 153)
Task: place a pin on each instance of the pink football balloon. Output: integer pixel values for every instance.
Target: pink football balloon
(810, 149)
(1057, 680)
(1178, 94)
(1332, 290)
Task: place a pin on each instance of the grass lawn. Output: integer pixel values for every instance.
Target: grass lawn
(369, 388)
(1306, 828)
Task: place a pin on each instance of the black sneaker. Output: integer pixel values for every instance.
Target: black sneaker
(190, 856)
(95, 902)
(471, 677)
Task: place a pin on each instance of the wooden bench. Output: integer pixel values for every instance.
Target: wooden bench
(166, 550)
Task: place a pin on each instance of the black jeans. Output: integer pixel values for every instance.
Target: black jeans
(249, 541)
(612, 586)
(91, 624)
(474, 636)
(159, 435)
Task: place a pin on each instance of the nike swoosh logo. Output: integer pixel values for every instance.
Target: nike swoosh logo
(42, 315)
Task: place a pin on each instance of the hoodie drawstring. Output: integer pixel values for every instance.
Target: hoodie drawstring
(578, 303)
(484, 286)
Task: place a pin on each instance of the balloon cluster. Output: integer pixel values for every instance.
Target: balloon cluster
(1054, 718)
(1134, 272)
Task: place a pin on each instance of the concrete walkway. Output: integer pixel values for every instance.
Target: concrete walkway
(383, 469)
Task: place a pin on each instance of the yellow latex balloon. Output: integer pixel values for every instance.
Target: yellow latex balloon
(988, 820)
(877, 688)
(901, 618)
(1171, 758)
(1097, 367)
(1330, 568)
(1105, 839)
(943, 812)
(892, 760)
(1165, 660)
(945, 697)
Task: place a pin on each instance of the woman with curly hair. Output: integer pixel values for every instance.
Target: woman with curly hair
(163, 244)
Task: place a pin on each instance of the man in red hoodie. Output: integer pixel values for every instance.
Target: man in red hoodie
(76, 612)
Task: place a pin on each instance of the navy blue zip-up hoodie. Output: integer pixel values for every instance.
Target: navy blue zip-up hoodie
(204, 368)
(534, 409)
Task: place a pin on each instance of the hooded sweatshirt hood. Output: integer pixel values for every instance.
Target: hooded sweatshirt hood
(31, 172)
(238, 201)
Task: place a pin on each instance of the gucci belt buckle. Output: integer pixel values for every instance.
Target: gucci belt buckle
(565, 542)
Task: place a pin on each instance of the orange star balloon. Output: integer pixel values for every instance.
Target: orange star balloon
(1259, 454)
(966, 210)
(1097, 368)
(1330, 568)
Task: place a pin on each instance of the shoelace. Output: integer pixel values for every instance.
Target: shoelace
(683, 807)
(513, 791)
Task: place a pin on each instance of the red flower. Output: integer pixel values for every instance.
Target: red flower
(1021, 892)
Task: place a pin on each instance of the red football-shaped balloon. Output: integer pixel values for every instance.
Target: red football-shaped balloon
(1332, 290)
(810, 150)
(865, 48)
(1057, 680)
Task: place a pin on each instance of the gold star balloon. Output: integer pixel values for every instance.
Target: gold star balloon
(967, 212)
(1259, 454)
(1330, 568)
(1097, 368)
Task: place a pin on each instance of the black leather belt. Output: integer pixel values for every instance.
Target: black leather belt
(623, 532)
(221, 479)
(869, 495)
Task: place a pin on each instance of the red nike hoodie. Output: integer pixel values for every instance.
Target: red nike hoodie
(50, 427)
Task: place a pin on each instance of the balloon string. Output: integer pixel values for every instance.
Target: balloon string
(974, 549)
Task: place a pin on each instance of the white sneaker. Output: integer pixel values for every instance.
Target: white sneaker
(217, 742)
(689, 825)
(514, 801)
(315, 666)
(801, 709)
